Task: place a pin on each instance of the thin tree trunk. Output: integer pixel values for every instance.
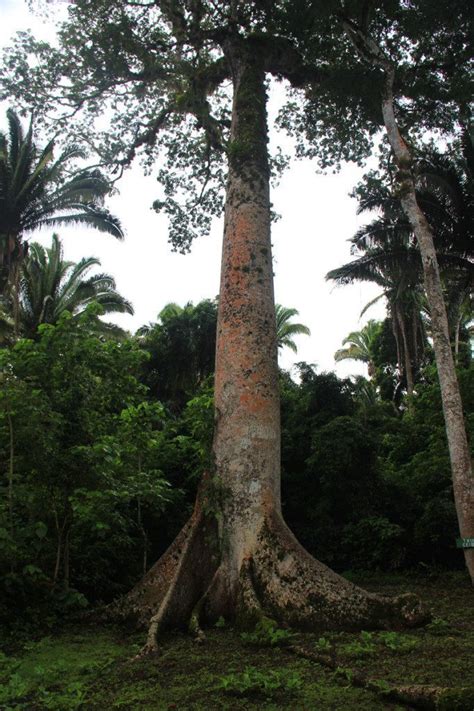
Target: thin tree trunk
(11, 458)
(396, 336)
(143, 535)
(406, 353)
(59, 545)
(461, 464)
(456, 340)
(66, 559)
(416, 345)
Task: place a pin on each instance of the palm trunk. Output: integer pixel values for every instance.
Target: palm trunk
(236, 557)
(406, 352)
(456, 339)
(16, 299)
(11, 460)
(461, 464)
(396, 335)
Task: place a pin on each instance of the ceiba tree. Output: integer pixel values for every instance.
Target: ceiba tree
(191, 76)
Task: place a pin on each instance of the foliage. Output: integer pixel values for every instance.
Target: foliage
(85, 455)
(286, 330)
(361, 345)
(181, 348)
(55, 673)
(374, 542)
(323, 645)
(362, 486)
(267, 633)
(438, 626)
(254, 681)
(49, 286)
(398, 643)
(362, 647)
(38, 191)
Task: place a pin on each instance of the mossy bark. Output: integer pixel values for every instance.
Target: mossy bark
(236, 557)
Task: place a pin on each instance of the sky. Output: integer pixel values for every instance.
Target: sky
(317, 219)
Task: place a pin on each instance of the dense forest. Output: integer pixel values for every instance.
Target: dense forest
(118, 450)
(104, 440)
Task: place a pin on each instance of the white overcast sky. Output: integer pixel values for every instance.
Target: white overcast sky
(311, 237)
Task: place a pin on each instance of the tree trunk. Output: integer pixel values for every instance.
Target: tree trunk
(59, 548)
(461, 464)
(66, 559)
(406, 352)
(11, 461)
(235, 557)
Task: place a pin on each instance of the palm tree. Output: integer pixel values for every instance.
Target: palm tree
(37, 191)
(286, 330)
(361, 345)
(387, 256)
(446, 194)
(388, 253)
(49, 286)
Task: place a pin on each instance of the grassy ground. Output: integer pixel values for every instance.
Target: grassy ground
(91, 668)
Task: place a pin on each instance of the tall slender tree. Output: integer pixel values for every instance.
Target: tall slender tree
(377, 53)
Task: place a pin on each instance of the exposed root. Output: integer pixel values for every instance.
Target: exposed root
(299, 591)
(249, 608)
(195, 569)
(167, 593)
(197, 614)
(419, 696)
(142, 602)
(193, 583)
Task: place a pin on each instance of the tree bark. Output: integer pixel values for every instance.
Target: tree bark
(236, 557)
(247, 430)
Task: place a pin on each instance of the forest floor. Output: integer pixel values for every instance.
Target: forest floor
(92, 667)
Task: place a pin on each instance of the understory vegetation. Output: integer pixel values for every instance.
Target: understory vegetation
(103, 458)
(82, 667)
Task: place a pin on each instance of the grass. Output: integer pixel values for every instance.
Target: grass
(93, 669)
